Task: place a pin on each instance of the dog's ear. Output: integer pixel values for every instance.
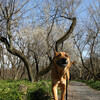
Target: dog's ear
(73, 62)
(55, 52)
(66, 54)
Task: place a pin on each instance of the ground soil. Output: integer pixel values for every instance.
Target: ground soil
(80, 91)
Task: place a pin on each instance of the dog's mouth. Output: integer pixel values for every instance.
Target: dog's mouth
(62, 62)
(62, 65)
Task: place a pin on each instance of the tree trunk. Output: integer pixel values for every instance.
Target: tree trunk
(20, 55)
(17, 73)
(36, 63)
(25, 60)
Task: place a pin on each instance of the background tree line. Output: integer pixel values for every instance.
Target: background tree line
(30, 31)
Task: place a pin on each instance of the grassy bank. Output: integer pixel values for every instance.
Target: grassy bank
(93, 84)
(25, 90)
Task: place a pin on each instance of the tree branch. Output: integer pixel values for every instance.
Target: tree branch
(4, 40)
(21, 7)
(20, 55)
(67, 34)
(43, 72)
(83, 61)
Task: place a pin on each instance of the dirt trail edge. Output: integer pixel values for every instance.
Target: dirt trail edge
(80, 91)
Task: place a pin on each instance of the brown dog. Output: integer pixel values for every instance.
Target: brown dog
(59, 73)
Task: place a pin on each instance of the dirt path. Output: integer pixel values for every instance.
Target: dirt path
(80, 91)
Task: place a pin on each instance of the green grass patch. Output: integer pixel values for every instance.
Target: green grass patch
(40, 91)
(93, 84)
(11, 90)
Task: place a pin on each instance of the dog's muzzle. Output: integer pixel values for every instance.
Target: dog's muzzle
(62, 62)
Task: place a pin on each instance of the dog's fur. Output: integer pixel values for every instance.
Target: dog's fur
(59, 73)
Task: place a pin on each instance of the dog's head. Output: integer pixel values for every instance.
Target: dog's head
(61, 59)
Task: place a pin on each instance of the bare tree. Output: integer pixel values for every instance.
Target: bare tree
(9, 14)
(37, 47)
(87, 38)
(60, 11)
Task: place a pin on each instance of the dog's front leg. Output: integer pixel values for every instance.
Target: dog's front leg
(63, 91)
(54, 89)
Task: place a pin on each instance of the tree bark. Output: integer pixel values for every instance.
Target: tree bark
(20, 55)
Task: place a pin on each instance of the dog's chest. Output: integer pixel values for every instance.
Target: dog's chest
(62, 80)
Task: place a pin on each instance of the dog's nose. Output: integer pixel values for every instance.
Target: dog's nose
(64, 59)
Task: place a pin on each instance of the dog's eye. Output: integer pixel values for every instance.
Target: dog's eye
(59, 55)
(66, 55)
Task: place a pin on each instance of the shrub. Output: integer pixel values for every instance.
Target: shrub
(93, 84)
(39, 94)
(40, 91)
(23, 89)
